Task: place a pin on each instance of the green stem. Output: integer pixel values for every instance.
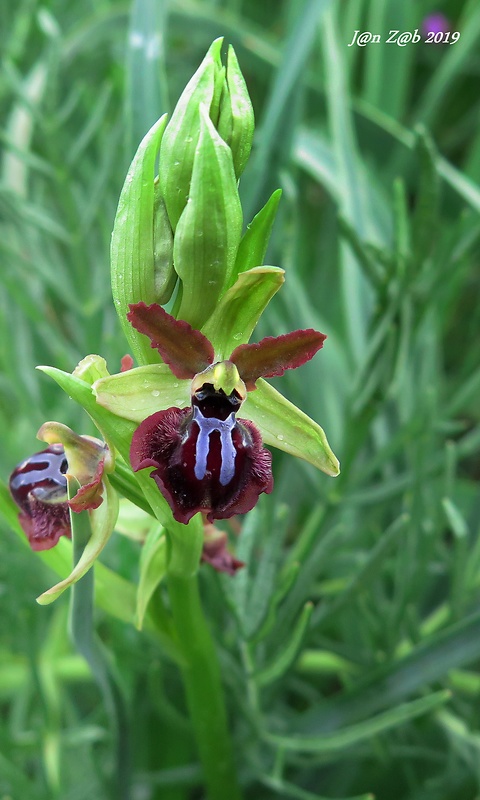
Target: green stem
(204, 689)
(90, 647)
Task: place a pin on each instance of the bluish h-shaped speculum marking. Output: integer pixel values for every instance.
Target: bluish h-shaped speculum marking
(206, 426)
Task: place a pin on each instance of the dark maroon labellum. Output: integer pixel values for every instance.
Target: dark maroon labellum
(206, 459)
(39, 488)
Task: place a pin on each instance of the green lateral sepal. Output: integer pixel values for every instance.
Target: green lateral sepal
(283, 425)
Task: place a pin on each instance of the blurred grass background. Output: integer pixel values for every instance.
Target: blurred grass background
(377, 150)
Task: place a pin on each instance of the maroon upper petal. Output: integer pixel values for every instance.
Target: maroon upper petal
(274, 354)
(39, 487)
(184, 349)
(205, 460)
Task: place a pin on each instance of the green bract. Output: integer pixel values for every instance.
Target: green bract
(236, 122)
(210, 227)
(135, 251)
(179, 144)
(224, 96)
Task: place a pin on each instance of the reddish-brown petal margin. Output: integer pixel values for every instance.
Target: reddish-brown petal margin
(89, 496)
(274, 354)
(184, 349)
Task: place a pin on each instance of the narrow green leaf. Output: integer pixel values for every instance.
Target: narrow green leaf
(238, 587)
(85, 640)
(401, 227)
(236, 315)
(459, 182)
(324, 662)
(314, 154)
(332, 742)
(132, 249)
(464, 394)
(146, 94)
(20, 125)
(289, 74)
(371, 267)
(293, 792)
(403, 345)
(153, 567)
(283, 425)
(289, 652)
(254, 242)
(353, 199)
(209, 230)
(269, 541)
(369, 569)
(285, 583)
(428, 662)
(388, 71)
(455, 519)
(425, 218)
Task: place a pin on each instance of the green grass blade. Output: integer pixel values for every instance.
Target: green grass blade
(295, 54)
(147, 94)
(333, 742)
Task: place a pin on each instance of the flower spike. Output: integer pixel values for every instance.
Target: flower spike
(184, 349)
(274, 354)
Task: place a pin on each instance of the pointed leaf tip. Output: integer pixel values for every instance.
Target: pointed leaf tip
(274, 354)
(184, 349)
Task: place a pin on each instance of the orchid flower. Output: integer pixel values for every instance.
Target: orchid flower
(40, 486)
(205, 457)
